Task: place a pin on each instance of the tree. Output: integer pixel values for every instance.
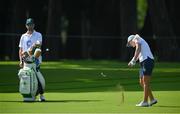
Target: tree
(16, 25)
(105, 24)
(162, 29)
(54, 28)
(128, 25)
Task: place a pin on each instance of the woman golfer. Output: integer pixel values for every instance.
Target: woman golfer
(146, 59)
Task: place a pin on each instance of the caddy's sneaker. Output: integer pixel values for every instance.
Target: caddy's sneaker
(154, 101)
(42, 98)
(142, 104)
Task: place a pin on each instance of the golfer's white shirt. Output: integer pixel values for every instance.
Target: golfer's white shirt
(28, 40)
(145, 49)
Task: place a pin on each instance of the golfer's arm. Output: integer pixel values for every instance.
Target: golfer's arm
(137, 51)
(20, 54)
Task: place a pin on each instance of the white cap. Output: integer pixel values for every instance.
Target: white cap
(131, 37)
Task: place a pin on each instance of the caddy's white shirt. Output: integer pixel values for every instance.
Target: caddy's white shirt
(145, 49)
(28, 40)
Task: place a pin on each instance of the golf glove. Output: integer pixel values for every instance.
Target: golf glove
(132, 62)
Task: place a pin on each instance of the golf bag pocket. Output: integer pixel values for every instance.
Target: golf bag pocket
(25, 84)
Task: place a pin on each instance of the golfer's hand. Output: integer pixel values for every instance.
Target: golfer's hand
(132, 63)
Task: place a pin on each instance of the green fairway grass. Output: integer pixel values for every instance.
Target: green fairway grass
(79, 87)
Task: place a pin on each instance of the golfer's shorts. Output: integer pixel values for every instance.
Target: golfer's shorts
(146, 67)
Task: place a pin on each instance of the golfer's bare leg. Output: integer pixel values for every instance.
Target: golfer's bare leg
(150, 95)
(147, 90)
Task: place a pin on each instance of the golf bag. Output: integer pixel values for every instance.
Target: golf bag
(28, 86)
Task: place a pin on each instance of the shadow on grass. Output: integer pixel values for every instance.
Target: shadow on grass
(53, 101)
(69, 77)
(163, 106)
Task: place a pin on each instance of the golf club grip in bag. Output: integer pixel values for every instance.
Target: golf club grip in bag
(28, 85)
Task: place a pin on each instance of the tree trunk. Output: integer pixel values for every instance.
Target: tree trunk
(16, 25)
(128, 25)
(85, 33)
(162, 29)
(54, 29)
(105, 24)
(147, 33)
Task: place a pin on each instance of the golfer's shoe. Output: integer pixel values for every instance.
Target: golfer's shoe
(154, 101)
(143, 104)
(42, 98)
